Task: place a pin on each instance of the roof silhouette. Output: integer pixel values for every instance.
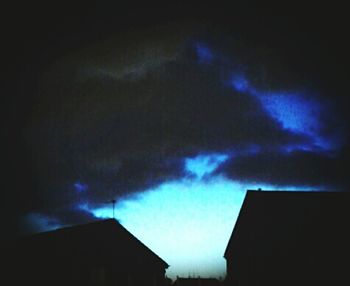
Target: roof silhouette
(193, 281)
(98, 253)
(279, 232)
(103, 239)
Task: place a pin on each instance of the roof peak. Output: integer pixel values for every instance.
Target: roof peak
(74, 226)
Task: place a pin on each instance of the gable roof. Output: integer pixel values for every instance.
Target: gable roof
(272, 220)
(100, 240)
(180, 281)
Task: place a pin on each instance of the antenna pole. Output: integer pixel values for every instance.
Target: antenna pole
(113, 206)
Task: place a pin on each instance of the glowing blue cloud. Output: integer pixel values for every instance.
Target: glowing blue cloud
(295, 111)
(240, 83)
(204, 54)
(298, 113)
(80, 187)
(202, 165)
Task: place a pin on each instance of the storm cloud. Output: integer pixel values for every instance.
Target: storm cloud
(297, 168)
(120, 114)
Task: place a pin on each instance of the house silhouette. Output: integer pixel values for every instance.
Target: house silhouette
(98, 253)
(180, 281)
(290, 238)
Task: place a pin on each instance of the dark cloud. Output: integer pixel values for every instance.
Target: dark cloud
(297, 168)
(120, 135)
(119, 105)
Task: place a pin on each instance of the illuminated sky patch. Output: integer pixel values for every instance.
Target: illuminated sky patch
(202, 165)
(186, 222)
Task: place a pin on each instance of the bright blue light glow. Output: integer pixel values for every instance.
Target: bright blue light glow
(103, 213)
(299, 114)
(295, 112)
(240, 83)
(202, 165)
(204, 54)
(80, 187)
(187, 222)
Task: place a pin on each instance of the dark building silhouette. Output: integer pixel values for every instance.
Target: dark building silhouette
(196, 282)
(98, 253)
(290, 238)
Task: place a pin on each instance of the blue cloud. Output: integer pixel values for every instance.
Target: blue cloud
(204, 53)
(202, 165)
(80, 187)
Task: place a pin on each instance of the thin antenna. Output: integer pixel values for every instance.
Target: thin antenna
(113, 205)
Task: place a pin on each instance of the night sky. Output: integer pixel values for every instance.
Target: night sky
(174, 111)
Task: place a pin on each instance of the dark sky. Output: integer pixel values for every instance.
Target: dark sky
(63, 123)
